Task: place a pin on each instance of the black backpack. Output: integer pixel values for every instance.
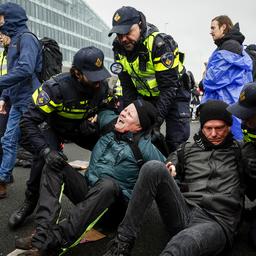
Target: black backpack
(51, 58)
(251, 50)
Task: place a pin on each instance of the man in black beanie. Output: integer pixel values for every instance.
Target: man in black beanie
(214, 110)
(202, 215)
(107, 185)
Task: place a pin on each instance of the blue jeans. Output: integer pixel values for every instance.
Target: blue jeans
(194, 232)
(10, 142)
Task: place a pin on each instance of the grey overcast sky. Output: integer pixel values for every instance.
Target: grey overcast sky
(188, 21)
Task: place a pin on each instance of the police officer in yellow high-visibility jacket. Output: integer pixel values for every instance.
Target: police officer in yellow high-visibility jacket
(67, 103)
(149, 66)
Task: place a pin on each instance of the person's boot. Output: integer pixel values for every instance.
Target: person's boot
(24, 243)
(36, 252)
(119, 246)
(3, 190)
(252, 233)
(19, 216)
(32, 252)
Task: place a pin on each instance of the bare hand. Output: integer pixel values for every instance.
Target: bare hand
(93, 119)
(3, 107)
(171, 168)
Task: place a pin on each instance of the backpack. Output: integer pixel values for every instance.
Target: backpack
(51, 58)
(251, 50)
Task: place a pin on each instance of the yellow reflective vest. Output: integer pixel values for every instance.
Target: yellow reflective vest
(73, 105)
(3, 62)
(145, 81)
(248, 137)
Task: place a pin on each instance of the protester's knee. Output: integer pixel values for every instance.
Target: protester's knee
(108, 187)
(153, 169)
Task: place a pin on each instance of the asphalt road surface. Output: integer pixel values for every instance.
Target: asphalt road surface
(150, 242)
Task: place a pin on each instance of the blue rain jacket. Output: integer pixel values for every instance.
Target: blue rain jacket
(23, 63)
(226, 74)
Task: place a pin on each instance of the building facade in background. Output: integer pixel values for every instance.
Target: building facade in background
(72, 23)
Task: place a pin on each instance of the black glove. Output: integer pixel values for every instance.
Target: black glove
(55, 159)
(87, 128)
(157, 125)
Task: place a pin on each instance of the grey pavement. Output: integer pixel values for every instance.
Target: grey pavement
(150, 242)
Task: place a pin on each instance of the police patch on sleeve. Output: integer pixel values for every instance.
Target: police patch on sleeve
(167, 59)
(116, 68)
(42, 99)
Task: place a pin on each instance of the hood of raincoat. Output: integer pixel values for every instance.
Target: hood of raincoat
(15, 18)
(233, 34)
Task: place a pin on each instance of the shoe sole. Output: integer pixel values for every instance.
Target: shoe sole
(2, 196)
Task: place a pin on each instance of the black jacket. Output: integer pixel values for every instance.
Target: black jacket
(62, 95)
(211, 178)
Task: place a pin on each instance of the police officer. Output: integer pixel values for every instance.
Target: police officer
(245, 109)
(65, 105)
(149, 66)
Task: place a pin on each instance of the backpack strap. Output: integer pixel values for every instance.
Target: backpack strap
(237, 147)
(181, 158)
(18, 47)
(134, 145)
(18, 41)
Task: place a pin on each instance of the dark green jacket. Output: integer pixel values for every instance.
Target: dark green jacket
(114, 158)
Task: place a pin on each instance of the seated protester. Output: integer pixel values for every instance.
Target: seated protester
(111, 176)
(202, 215)
(245, 109)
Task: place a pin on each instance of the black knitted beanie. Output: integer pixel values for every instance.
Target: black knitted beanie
(147, 113)
(214, 110)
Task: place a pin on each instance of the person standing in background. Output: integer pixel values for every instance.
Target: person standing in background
(228, 68)
(19, 82)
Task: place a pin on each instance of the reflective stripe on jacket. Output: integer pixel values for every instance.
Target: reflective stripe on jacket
(3, 63)
(77, 111)
(145, 81)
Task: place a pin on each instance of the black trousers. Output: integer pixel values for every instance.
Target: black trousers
(90, 203)
(177, 120)
(54, 140)
(33, 183)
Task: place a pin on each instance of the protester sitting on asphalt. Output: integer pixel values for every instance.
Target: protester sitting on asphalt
(203, 214)
(245, 109)
(112, 173)
(62, 107)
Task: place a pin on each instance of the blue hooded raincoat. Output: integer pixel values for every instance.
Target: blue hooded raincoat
(23, 63)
